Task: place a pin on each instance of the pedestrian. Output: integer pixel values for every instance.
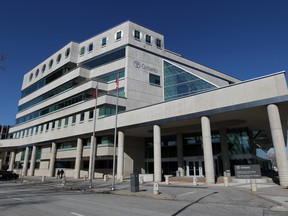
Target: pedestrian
(58, 174)
(62, 173)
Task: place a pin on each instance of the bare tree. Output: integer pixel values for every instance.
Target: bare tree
(272, 157)
(2, 58)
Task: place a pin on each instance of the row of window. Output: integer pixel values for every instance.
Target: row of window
(109, 77)
(54, 107)
(104, 110)
(95, 62)
(118, 35)
(51, 62)
(52, 125)
(44, 81)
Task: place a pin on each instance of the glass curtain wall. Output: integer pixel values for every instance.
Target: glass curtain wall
(179, 82)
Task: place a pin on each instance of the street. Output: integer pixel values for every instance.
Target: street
(19, 199)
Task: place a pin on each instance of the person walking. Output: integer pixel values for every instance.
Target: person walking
(62, 173)
(58, 174)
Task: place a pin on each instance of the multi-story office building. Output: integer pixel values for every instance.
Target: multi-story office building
(173, 114)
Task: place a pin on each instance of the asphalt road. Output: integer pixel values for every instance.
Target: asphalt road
(17, 199)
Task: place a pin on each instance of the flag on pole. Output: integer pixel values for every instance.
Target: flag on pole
(117, 82)
(95, 93)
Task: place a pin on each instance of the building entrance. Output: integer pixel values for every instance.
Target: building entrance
(195, 168)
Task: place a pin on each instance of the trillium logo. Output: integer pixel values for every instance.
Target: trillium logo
(137, 64)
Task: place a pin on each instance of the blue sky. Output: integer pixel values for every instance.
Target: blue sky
(243, 38)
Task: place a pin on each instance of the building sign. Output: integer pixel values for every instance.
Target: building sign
(146, 67)
(247, 171)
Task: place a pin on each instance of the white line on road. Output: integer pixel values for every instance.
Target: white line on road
(76, 214)
(185, 194)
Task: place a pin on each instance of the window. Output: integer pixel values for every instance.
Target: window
(104, 41)
(67, 53)
(36, 73)
(137, 34)
(73, 119)
(31, 76)
(82, 116)
(148, 39)
(82, 51)
(36, 129)
(66, 121)
(50, 63)
(91, 114)
(53, 125)
(90, 47)
(118, 35)
(154, 79)
(58, 58)
(47, 126)
(59, 123)
(158, 43)
(43, 68)
(41, 128)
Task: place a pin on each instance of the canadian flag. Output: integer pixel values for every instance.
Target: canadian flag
(117, 82)
(95, 93)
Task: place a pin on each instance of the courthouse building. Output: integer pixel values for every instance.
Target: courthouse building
(174, 115)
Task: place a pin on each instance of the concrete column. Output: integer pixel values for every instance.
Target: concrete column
(207, 149)
(12, 160)
(33, 161)
(78, 158)
(26, 160)
(5, 159)
(157, 153)
(1, 164)
(224, 149)
(52, 159)
(120, 156)
(279, 144)
(180, 154)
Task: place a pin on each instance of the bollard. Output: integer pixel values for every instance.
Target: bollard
(63, 181)
(85, 178)
(167, 179)
(253, 185)
(141, 180)
(43, 178)
(194, 181)
(155, 189)
(226, 181)
(105, 178)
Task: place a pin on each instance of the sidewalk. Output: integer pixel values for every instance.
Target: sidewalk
(267, 191)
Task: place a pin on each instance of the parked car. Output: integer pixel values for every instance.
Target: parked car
(8, 175)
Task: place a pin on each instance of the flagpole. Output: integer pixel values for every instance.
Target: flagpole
(115, 132)
(93, 141)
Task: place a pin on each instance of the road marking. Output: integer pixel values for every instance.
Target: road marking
(185, 194)
(19, 199)
(76, 214)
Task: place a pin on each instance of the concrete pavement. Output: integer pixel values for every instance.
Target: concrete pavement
(267, 195)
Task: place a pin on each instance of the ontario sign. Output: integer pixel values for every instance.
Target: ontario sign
(146, 67)
(247, 171)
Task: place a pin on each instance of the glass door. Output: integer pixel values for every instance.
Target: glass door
(195, 168)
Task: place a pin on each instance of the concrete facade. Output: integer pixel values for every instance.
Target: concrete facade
(174, 114)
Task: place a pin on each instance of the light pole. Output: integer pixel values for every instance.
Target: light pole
(93, 141)
(115, 133)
